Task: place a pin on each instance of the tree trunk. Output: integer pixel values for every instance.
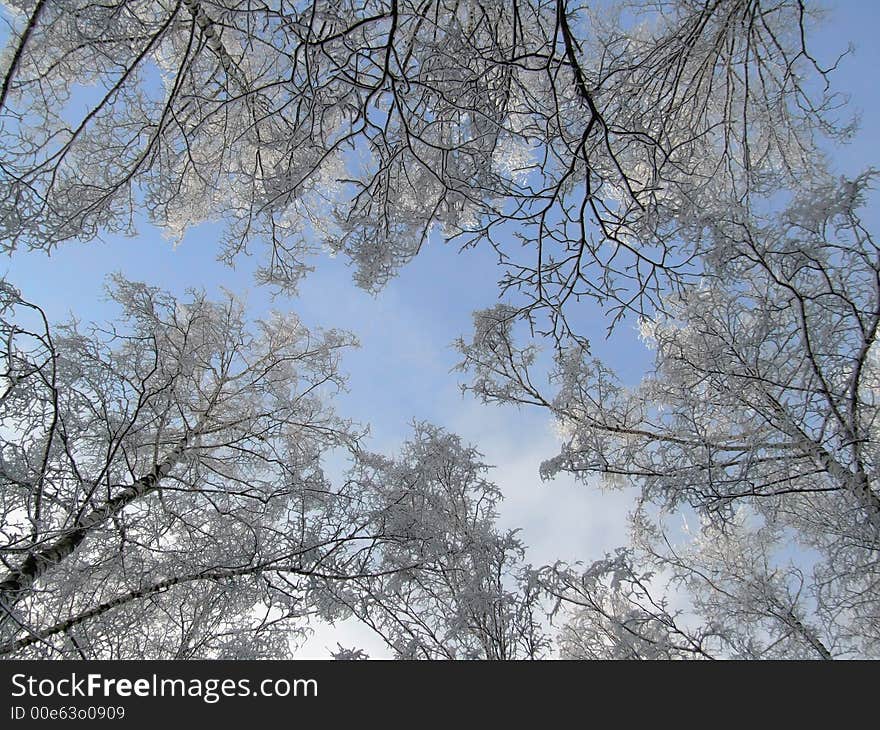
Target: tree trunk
(17, 582)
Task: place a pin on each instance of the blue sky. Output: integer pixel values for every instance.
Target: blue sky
(402, 370)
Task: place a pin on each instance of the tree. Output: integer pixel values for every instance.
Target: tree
(162, 478)
(762, 405)
(163, 491)
(738, 592)
(594, 136)
(473, 596)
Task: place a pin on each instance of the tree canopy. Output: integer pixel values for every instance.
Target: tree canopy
(164, 484)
